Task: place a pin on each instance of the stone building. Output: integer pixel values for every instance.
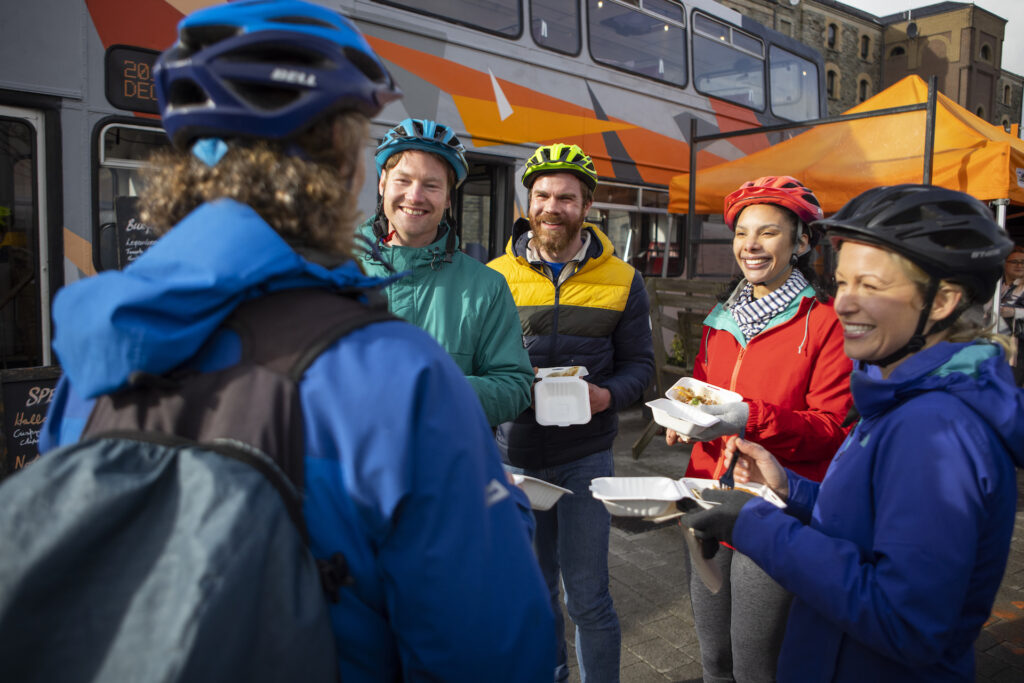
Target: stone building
(959, 43)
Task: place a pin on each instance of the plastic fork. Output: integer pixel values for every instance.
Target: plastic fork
(726, 481)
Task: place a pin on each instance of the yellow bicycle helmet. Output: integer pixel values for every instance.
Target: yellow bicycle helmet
(560, 158)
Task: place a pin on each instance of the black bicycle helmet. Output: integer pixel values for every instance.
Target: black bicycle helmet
(948, 234)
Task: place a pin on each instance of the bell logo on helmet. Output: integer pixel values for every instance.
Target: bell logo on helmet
(985, 253)
(293, 76)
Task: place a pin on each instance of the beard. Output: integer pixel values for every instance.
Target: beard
(555, 242)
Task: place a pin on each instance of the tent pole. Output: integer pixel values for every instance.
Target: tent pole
(929, 132)
(1000, 205)
(692, 199)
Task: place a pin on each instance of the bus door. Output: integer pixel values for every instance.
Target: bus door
(24, 242)
(485, 208)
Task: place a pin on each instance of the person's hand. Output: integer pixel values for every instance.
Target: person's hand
(715, 524)
(1006, 311)
(600, 398)
(756, 465)
(673, 437)
(732, 419)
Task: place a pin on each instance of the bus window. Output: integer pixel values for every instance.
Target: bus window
(728, 63)
(123, 150)
(649, 40)
(493, 16)
(555, 24)
(794, 85)
(484, 209)
(636, 221)
(20, 312)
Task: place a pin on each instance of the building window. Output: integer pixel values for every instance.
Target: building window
(830, 35)
(831, 84)
(863, 89)
(1006, 94)
(865, 47)
(897, 51)
(1006, 124)
(986, 53)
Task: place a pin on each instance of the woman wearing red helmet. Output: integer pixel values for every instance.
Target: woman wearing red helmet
(775, 340)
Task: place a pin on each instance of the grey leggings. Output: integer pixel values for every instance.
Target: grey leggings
(741, 627)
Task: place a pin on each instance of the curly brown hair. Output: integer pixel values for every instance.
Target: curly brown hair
(309, 199)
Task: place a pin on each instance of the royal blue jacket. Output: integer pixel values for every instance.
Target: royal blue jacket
(895, 559)
(401, 472)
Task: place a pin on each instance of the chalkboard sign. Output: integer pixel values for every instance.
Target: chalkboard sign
(133, 236)
(24, 399)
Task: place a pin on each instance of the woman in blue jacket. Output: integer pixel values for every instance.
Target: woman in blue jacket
(894, 559)
(267, 105)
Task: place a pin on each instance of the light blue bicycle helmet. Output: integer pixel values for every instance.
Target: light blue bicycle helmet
(266, 69)
(427, 136)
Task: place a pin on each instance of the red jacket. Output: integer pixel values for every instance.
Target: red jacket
(794, 377)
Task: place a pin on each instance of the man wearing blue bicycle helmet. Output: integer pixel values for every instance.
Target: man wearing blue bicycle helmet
(267, 105)
(463, 304)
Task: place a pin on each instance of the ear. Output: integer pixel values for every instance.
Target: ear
(946, 300)
(803, 243)
(382, 182)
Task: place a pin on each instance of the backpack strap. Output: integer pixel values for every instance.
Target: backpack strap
(282, 334)
(286, 331)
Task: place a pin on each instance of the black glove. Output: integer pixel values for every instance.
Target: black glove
(715, 524)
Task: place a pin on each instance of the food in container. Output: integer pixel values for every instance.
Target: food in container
(694, 392)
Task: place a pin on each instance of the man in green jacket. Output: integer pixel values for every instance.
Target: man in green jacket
(463, 304)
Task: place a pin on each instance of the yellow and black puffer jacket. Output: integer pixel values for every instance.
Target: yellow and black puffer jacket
(594, 314)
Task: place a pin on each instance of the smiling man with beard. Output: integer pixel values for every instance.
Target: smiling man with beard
(579, 305)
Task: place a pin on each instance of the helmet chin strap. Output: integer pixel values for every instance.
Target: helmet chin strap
(920, 337)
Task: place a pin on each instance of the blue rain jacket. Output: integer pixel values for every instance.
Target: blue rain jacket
(895, 559)
(414, 495)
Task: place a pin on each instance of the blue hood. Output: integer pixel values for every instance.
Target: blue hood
(158, 312)
(976, 373)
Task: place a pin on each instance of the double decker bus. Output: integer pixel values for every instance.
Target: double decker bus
(621, 78)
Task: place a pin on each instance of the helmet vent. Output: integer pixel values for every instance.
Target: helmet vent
(958, 238)
(275, 55)
(196, 38)
(184, 93)
(365, 64)
(303, 21)
(266, 97)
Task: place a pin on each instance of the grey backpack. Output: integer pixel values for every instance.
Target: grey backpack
(169, 544)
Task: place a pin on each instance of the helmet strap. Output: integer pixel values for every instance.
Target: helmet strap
(920, 337)
(381, 229)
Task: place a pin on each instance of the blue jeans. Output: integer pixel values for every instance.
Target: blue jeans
(580, 554)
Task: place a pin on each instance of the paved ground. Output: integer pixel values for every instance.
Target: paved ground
(645, 563)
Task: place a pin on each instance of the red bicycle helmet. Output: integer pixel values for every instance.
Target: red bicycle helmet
(781, 190)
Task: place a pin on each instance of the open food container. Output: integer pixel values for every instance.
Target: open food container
(637, 496)
(542, 495)
(693, 392)
(683, 410)
(656, 496)
(561, 397)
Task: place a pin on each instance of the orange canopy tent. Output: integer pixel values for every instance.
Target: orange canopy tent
(840, 160)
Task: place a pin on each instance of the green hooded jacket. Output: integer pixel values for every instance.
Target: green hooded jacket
(468, 309)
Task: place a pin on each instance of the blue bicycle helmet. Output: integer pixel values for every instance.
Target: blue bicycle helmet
(426, 136)
(266, 69)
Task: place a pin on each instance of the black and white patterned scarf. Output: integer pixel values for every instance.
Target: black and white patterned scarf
(752, 315)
